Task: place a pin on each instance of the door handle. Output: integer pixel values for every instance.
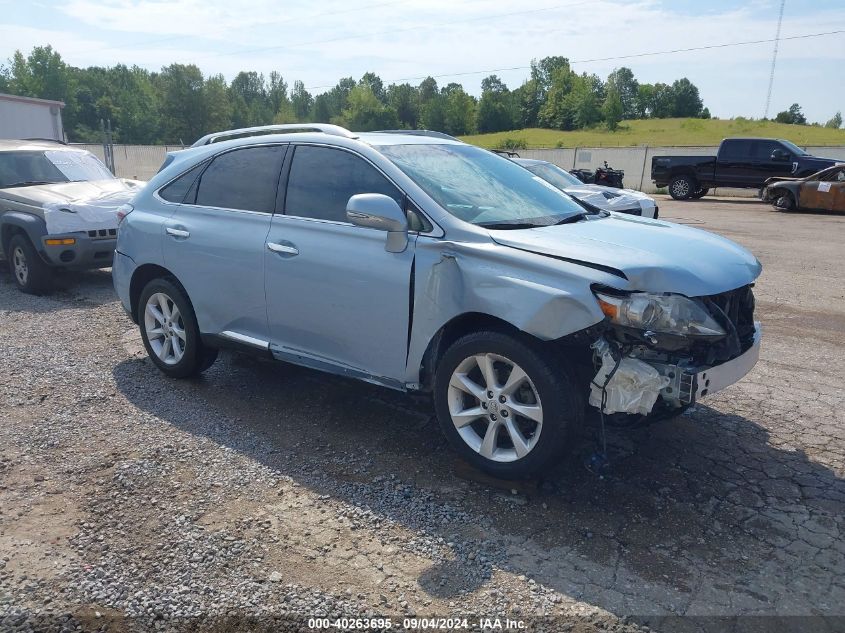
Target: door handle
(284, 249)
(178, 232)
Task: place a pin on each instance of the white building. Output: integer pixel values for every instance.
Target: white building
(26, 117)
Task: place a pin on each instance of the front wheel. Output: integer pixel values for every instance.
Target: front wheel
(785, 202)
(504, 404)
(170, 332)
(29, 271)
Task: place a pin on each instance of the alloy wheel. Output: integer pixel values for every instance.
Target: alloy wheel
(680, 188)
(165, 328)
(495, 407)
(19, 266)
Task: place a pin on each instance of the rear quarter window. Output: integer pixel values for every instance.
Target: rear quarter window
(244, 179)
(177, 190)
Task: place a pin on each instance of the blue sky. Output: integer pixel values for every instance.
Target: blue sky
(319, 42)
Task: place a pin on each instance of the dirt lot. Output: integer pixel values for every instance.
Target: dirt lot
(131, 501)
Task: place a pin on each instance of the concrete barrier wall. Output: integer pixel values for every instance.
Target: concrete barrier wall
(636, 161)
(141, 162)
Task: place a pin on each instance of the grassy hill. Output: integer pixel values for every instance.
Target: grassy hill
(664, 132)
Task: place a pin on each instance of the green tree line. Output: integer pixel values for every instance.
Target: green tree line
(179, 104)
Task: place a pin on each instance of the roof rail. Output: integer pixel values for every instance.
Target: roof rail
(325, 128)
(44, 140)
(430, 133)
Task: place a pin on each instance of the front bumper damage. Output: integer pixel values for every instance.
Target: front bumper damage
(638, 370)
(636, 384)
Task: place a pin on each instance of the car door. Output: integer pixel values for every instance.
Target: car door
(336, 299)
(825, 192)
(769, 159)
(732, 163)
(214, 242)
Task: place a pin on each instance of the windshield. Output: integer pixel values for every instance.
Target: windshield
(27, 167)
(480, 187)
(554, 175)
(792, 147)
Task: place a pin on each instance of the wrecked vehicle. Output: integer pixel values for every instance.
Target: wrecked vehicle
(822, 191)
(421, 263)
(608, 198)
(58, 209)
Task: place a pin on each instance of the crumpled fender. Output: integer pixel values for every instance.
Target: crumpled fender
(544, 297)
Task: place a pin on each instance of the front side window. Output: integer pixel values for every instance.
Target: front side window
(28, 167)
(792, 148)
(480, 187)
(763, 150)
(244, 179)
(837, 175)
(322, 180)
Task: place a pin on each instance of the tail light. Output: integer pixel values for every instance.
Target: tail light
(124, 210)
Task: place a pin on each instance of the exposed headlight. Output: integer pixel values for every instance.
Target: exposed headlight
(669, 314)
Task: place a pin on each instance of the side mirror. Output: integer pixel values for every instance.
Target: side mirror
(780, 155)
(377, 211)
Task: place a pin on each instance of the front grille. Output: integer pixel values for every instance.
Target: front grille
(102, 234)
(734, 311)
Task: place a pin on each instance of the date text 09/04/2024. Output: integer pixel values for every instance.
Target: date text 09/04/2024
(428, 624)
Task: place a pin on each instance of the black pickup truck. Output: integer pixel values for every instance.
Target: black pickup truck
(740, 162)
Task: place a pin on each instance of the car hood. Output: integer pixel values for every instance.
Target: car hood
(606, 197)
(652, 255)
(822, 162)
(76, 206)
(67, 191)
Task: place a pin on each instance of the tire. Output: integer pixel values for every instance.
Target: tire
(785, 202)
(171, 337)
(31, 274)
(540, 408)
(682, 187)
(700, 193)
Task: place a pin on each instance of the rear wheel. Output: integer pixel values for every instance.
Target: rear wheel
(29, 271)
(504, 405)
(682, 187)
(170, 332)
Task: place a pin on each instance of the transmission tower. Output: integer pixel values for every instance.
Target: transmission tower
(774, 60)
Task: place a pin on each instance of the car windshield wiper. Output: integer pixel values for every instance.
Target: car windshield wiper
(26, 183)
(573, 218)
(510, 225)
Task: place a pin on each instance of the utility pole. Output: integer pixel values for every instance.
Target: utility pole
(774, 60)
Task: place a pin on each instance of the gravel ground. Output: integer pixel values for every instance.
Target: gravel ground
(262, 494)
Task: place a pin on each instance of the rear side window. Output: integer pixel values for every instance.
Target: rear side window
(323, 179)
(244, 179)
(735, 149)
(177, 190)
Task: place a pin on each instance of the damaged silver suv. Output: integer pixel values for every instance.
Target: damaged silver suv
(421, 263)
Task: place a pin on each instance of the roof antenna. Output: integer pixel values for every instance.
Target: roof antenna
(774, 60)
